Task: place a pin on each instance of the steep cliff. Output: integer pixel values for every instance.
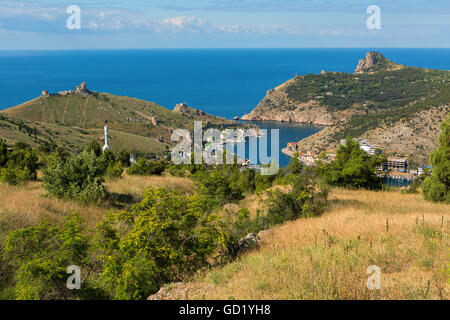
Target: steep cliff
(381, 102)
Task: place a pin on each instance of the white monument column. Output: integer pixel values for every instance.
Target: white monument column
(106, 139)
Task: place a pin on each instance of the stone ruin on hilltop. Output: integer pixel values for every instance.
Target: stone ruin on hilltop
(81, 89)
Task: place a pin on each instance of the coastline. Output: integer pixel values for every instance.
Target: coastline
(303, 160)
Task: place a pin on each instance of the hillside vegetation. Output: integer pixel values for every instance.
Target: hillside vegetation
(327, 257)
(198, 224)
(395, 106)
(26, 205)
(73, 139)
(71, 121)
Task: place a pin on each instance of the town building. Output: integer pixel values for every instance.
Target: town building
(364, 145)
(422, 170)
(399, 165)
(292, 146)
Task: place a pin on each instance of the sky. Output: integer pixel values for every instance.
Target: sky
(138, 24)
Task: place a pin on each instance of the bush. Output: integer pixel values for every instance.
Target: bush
(114, 170)
(18, 165)
(155, 242)
(305, 200)
(111, 164)
(79, 178)
(94, 147)
(41, 254)
(3, 153)
(220, 183)
(143, 167)
(353, 168)
(124, 157)
(437, 187)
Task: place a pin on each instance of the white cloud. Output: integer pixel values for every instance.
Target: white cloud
(45, 18)
(14, 9)
(185, 24)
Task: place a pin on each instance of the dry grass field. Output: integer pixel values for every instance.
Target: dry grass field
(327, 257)
(318, 258)
(26, 205)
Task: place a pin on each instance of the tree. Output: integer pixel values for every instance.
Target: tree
(143, 167)
(20, 165)
(353, 168)
(94, 147)
(111, 164)
(295, 167)
(163, 237)
(436, 188)
(79, 178)
(124, 156)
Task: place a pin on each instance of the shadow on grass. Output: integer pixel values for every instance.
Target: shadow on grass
(121, 201)
(346, 203)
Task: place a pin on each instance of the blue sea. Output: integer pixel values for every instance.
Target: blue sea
(222, 82)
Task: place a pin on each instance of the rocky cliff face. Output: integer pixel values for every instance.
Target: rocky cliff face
(413, 138)
(386, 103)
(372, 59)
(310, 112)
(278, 106)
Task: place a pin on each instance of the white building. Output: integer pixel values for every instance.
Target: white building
(364, 145)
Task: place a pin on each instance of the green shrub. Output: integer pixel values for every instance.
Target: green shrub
(115, 170)
(434, 190)
(124, 157)
(353, 168)
(111, 164)
(18, 165)
(220, 183)
(159, 239)
(144, 167)
(94, 147)
(3, 153)
(305, 200)
(79, 178)
(41, 254)
(437, 187)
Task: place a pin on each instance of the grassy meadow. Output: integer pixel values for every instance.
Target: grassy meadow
(26, 205)
(327, 257)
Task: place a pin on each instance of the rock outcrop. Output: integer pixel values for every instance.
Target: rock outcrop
(311, 112)
(372, 58)
(183, 109)
(248, 241)
(347, 103)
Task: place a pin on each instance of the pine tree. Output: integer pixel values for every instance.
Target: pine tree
(436, 188)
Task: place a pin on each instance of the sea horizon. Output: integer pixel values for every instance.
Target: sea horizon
(32, 71)
(223, 82)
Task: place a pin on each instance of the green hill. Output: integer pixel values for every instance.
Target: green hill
(73, 139)
(379, 96)
(71, 120)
